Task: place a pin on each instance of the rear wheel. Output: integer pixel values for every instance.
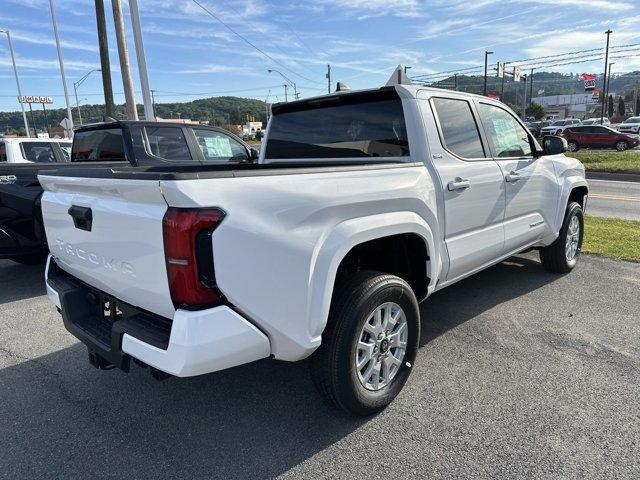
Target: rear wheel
(369, 345)
(573, 146)
(621, 146)
(562, 255)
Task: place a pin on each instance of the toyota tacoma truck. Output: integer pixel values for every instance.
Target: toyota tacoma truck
(22, 236)
(361, 205)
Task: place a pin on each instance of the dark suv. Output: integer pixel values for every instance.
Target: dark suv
(597, 136)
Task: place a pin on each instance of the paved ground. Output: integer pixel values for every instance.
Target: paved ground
(614, 199)
(522, 374)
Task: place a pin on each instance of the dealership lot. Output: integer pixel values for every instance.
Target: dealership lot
(522, 373)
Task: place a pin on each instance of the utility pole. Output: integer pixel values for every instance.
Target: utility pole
(328, 75)
(15, 73)
(484, 89)
(285, 93)
(455, 81)
(609, 80)
(64, 79)
(604, 84)
(123, 53)
(635, 100)
(153, 101)
(103, 46)
(149, 114)
(504, 69)
(524, 97)
(531, 89)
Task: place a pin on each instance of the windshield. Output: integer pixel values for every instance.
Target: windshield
(632, 120)
(348, 126)
(558, 122)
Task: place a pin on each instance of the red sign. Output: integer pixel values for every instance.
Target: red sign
(495, 96)
(589, 81)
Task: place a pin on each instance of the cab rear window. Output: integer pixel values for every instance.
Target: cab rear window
(342, 126)
(98, 146)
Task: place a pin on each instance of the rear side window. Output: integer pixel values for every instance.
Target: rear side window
(168, 143)
(348, 126)
(458, 127)
(218, 147)
(66, 150)
(39, 152)
(98, 146)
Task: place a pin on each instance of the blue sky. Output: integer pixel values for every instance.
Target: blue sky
(191, 55)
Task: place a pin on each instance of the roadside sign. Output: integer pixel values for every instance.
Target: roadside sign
(516, 74)
(500, 69)
(68, 127)
(589, 81)
(35, 99)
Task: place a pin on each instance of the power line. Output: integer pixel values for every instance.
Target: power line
(248, 42)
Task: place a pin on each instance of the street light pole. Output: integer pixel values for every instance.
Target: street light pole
(286, 99)
(604, 85)
(149, 113)
(75, 91)
(61, 62)
(609, 83)
(15, 73)
(295, 90)
(486, 56)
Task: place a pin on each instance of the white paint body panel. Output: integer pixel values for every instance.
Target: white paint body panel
(202, 342)
(279, 246)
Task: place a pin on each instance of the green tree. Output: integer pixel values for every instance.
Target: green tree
(535, 110)
(621, 106)
(610, 106)
(637, 110)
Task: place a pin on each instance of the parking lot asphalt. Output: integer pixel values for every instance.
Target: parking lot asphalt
(614, 199)
(521, 374)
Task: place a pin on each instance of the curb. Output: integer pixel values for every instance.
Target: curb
(612, 176)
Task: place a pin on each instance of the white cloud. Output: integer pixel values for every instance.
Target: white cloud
(375, 8)
(42, 40)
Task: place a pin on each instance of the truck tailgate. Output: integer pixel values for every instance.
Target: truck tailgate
(110, 236)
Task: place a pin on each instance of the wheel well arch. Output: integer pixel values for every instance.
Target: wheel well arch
(578, 194)
(405, 255)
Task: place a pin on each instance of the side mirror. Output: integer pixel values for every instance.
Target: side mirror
(254, 153)
(553, 145)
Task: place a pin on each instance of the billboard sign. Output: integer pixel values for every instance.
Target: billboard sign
(517, 74)
(589, 81)
(35, 99)
(500, 69)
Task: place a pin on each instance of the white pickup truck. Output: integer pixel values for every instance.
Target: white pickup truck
(360, 205)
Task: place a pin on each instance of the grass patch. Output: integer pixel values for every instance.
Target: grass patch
(621, 162)
(612, 237)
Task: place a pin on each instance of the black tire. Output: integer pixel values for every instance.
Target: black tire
(333, 368)
(621, 146)
(573, 146)
(553, 257)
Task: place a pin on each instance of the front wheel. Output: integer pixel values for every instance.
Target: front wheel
(562, 255)
(573, 146)
(369, 345)
(621, 146)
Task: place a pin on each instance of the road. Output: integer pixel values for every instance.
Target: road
(521, 374)
(614, 199)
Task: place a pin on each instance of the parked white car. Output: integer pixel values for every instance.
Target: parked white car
(630, 125)
(34, 150)
(360, 205)
(558, 126)
(596, 121)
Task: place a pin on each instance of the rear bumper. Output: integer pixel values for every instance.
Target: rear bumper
(192, 343)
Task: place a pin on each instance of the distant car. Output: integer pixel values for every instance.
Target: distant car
(630, 125)
(596, 136)
(534, 127)
(596, 121)
(557, 127)
(34, 150)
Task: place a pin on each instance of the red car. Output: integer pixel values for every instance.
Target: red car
(597, 136)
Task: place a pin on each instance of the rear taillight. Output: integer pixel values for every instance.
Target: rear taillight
(188, 249)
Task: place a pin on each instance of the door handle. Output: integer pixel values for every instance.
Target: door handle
(512, 177)
(458, 184)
